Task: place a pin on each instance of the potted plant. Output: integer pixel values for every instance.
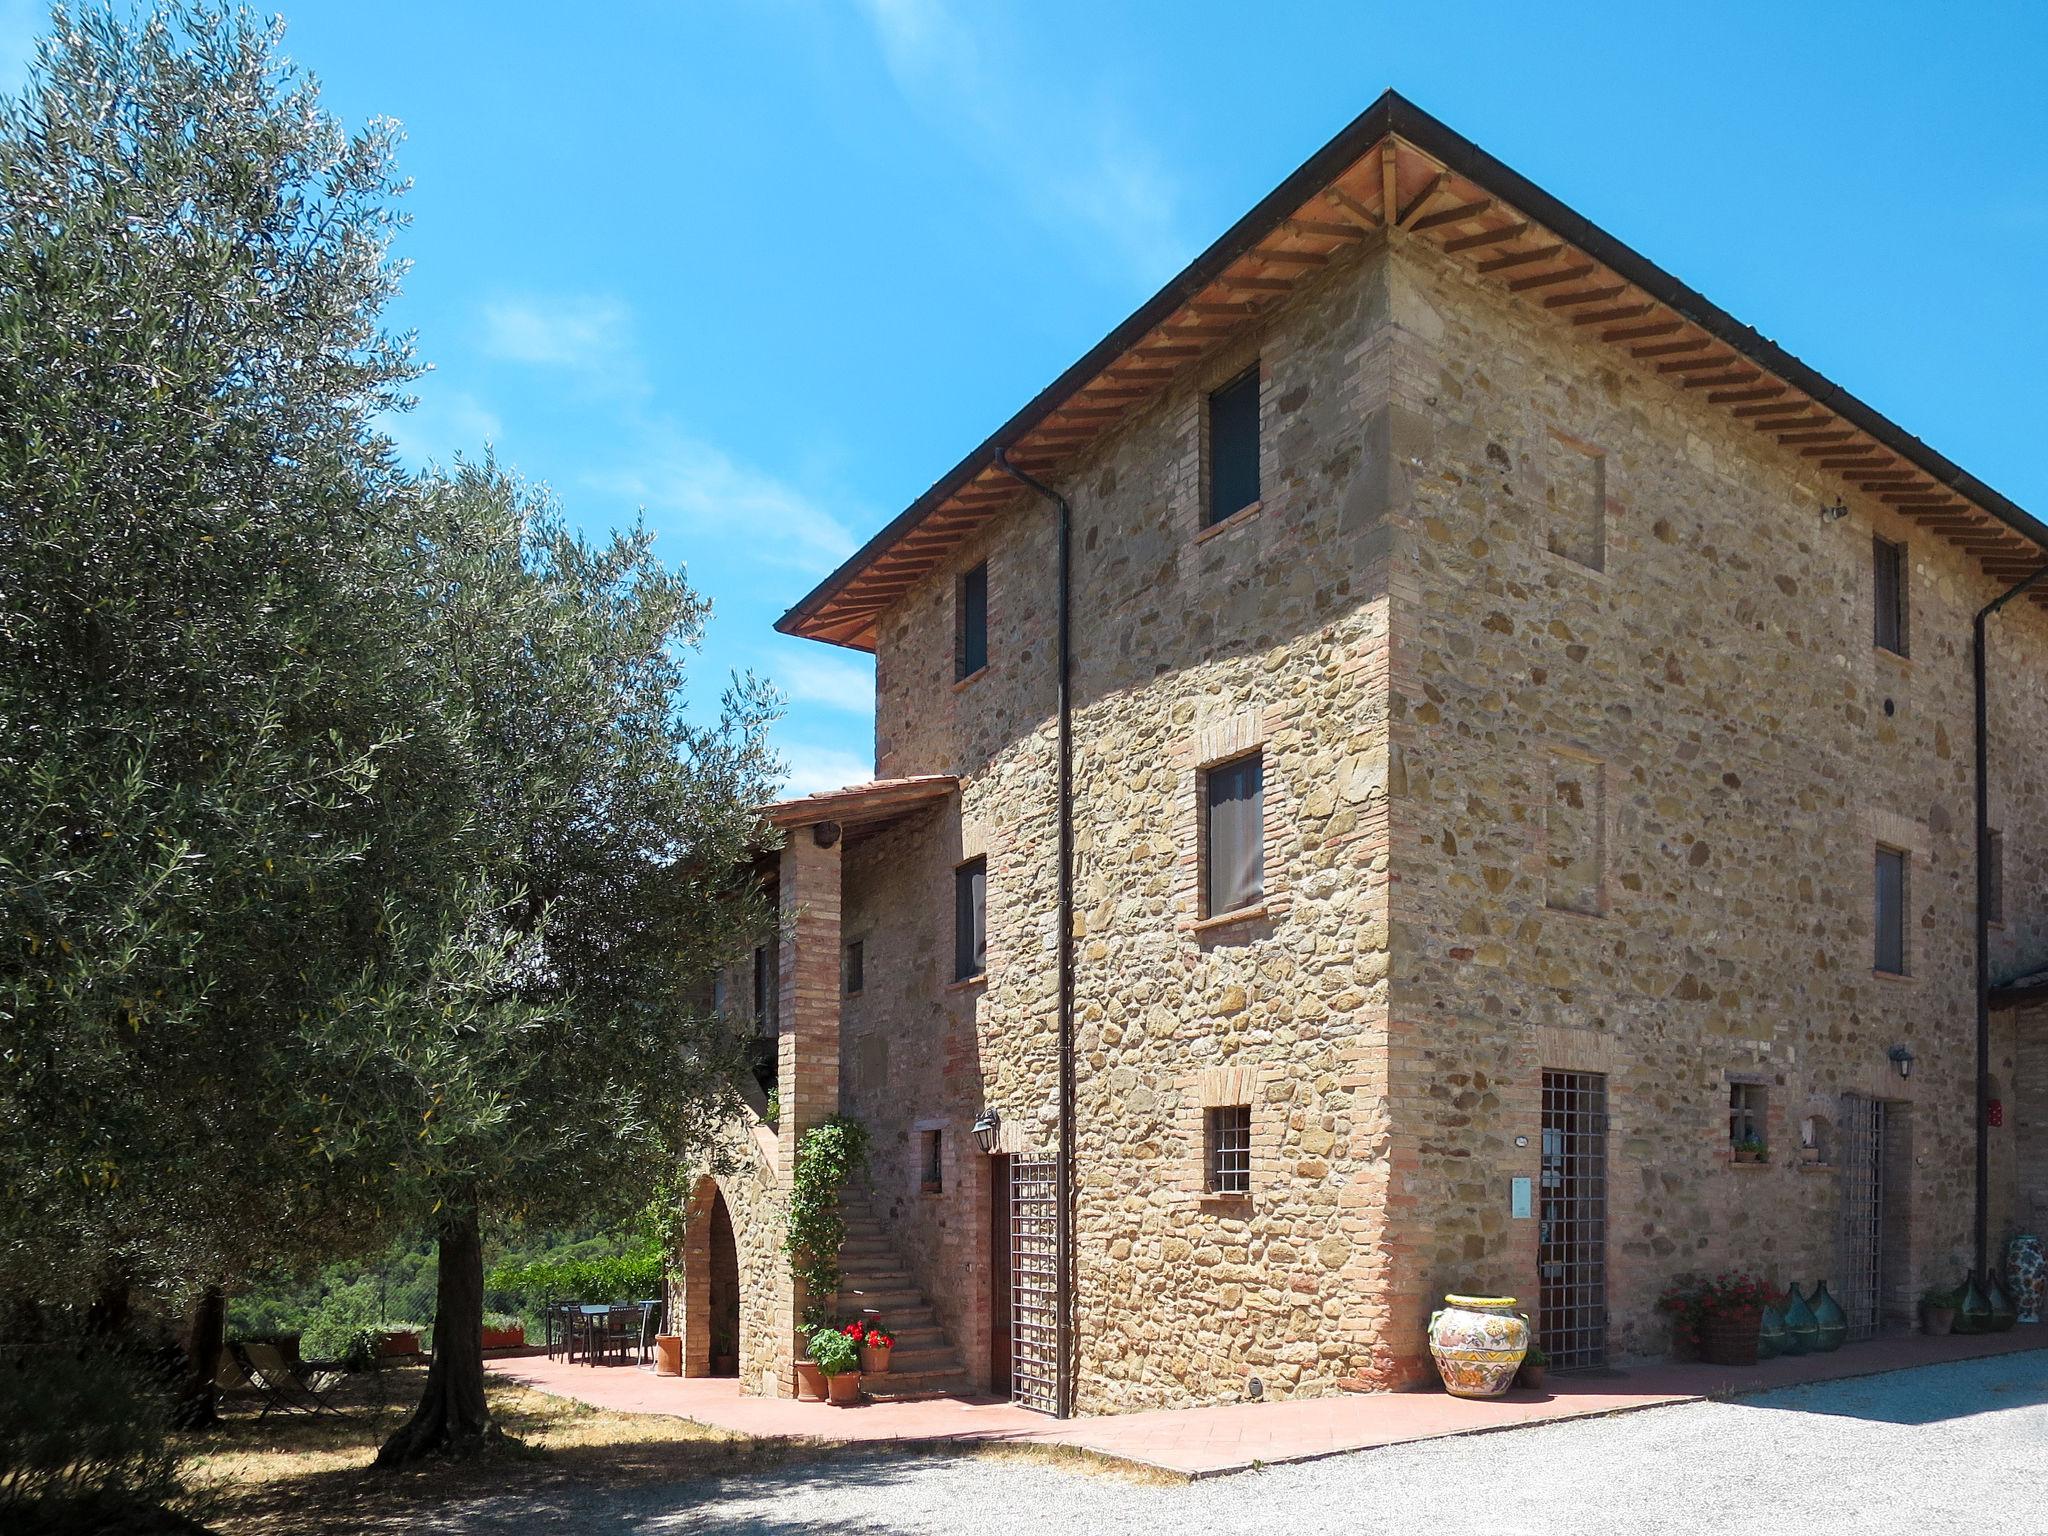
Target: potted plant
(810, 1380)
(1534, 1367)
(1938, 1310)
(874, 1342)
(1752, 1150)
(396, 1341)
(502, 1330)
(838, 1358)
(1721, 1317)
(725, 1356)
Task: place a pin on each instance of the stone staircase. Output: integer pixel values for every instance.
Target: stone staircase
(872, 1278)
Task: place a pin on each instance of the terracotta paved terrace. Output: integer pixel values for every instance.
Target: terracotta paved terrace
(1207, 1442)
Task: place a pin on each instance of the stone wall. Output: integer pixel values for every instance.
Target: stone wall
(1190, 645)
(1712, 677)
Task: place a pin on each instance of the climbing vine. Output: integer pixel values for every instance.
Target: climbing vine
(828, 1156)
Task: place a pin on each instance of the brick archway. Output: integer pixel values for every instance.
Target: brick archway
(711, 1281)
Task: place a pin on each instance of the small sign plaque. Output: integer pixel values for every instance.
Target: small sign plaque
(1518, 1198)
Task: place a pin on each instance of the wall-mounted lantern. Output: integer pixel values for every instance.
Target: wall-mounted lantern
(1901, 1058)
(987, 1129)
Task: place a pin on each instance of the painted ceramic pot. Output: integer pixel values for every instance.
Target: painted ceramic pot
(1800, 1326)
(2003, 1313)
(1770, 1334)
(2026, 1267)
(1830, 1322)
(1478, 1343)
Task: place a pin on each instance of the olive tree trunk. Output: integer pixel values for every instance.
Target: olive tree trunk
(198, 1403)
(452, 1418)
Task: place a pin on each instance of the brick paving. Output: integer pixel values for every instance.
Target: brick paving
(1208, 1442)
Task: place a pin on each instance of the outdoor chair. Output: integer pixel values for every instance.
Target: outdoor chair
(592, 1322)
(650, 1324)
(234, 1384)
(305, 1393)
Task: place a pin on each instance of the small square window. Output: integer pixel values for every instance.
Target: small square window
(971, 641)
(856, 967)
(970, 920)
(1746, 1120)
(1994, 873)
(1888, 586)
(933, 1179)
(1234, 837)
(1227, 1149)
(1891, 912)
(1233, 446)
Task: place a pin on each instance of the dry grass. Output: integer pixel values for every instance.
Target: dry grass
(313, 1475)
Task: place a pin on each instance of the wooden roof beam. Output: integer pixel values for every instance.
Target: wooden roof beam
(1487, 237)
(1740, 396)
(1622, 312)
(1585, 296)
(1569, 274)
(1455, 215)
(1672, 348)
(1520, 259)
(1319, 229)
(1351, 205)
(1420, 200)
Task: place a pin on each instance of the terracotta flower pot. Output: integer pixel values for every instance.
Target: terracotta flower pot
(1531, 1376)
(398, 1345)
(810, 1382)
(873, 1361)
(844, 1388)
(505, 1338)
(1730, 1338)
(725, 1365)
(668, 1354)
(1936, 1322)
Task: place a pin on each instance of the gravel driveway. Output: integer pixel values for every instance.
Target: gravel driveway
(1960, 1448)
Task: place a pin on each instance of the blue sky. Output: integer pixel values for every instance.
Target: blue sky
(768, 269)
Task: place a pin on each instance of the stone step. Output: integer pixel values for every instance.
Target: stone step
(853, 1299)
(900, 1319)
(866, 1248)
(860, 1277)
(906, 1386)
(914, 1362)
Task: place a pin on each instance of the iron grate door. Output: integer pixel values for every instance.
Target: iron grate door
(1034, 1294)
(1859, 1233)
(1571, 1244)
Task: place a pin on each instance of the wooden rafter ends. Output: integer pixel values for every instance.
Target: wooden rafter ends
(1450, 197)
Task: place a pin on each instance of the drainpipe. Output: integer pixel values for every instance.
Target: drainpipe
(1063, 1228)
(1983, 921)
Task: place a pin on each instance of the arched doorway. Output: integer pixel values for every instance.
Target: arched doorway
(725, 1291)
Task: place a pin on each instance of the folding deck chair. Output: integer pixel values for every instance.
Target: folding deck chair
(295, 1392)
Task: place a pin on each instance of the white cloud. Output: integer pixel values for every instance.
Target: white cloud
(683, 475)
(591, 336)
(814, 768)
(442, 425)
(1073, 159)
(829, 680)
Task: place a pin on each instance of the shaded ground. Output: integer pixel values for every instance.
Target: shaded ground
(1952, 1448)
(312, 1476)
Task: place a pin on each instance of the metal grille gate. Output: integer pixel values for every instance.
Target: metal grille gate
(1034, 1284)
(1859, 1237)
(1571, 1247)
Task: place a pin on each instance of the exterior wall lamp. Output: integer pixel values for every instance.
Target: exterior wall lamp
(987, 1128)
(1835, 513)
(1901, 1058)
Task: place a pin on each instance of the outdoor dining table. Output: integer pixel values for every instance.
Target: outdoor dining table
(595, 1329)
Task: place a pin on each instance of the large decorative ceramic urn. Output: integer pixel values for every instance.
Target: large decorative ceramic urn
(2028, 1271)
(1478, 1343)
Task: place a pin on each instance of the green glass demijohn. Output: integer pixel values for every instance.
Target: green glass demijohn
(2003, 1313)
(1974, 1315)
(1770, 1333)
(1831, 1323)
(1800, 1324)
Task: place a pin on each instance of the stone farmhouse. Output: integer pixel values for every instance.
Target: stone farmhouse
(1431, 759)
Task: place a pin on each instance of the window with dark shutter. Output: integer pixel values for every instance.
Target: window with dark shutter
(1994, 860)
(1234, 446)
(972, 651)
(764, 989)
(856, 966)
(932, 1177)
(1888, 583)
(1891, 911)
(1236, 837)
(970, 919)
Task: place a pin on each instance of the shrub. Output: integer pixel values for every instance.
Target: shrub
(834, 1352)
(826, 1159)
(501, 1322)
(343, 1325)
(1693, 1303)
(84, 1443)
(633, 1276)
